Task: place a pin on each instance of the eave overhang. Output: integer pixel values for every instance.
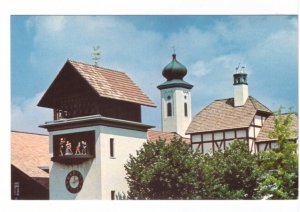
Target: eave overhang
(94, 120)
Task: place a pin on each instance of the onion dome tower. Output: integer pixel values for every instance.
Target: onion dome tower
(176, 107)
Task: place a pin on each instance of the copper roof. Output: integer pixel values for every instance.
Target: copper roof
(153, 135)
(29, 152)
(268, 127)
(222, 115)
(112, 84)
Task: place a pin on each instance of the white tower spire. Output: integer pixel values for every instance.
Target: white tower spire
(176, 110)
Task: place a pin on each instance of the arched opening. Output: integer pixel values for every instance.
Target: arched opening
(169, 109)
(185, 109)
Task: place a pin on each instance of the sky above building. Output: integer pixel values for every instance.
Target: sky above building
(211, 47)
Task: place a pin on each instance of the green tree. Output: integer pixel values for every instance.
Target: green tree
(231, 173)
(163, 170)
(279, 166)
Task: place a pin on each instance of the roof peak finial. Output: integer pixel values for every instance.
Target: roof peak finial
(96, 55)
(174, 52)
(174, 49)
(240, 69)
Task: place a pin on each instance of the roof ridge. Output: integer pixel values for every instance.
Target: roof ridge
(223, 99)
(251, 98)
(97, 67)
(17, 131)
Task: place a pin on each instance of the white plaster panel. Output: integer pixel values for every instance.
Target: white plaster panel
(257, 130)
(207, 147)
(263, 119)
(251, 132)
(218, 136)
(241, 133)
(229, 134)
(257, 120)
(195, 146)
(196, 138)
(207, 136)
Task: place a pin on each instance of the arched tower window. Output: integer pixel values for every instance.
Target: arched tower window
(169, 109)
(185, 109)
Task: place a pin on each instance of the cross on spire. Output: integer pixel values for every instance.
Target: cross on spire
(173, 47)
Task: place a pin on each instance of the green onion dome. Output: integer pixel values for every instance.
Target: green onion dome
(174, 70)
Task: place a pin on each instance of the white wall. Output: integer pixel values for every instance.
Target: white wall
(113, 172)
(240, 94)
(178, 122)
(102, 174)
(90, 170)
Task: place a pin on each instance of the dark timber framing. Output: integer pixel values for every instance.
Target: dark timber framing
(217, 144)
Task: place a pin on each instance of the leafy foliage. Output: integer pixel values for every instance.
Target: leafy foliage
(165, 171)
(280, 165)
(173, 170)
(232, 173)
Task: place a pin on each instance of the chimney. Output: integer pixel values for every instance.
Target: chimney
(240, 87)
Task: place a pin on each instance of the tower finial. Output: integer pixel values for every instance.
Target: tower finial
(96, 55)
(174, 49)
(174, 52)
(240, 69)
(237, 68)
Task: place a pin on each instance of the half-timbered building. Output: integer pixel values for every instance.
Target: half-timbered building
(242, 117)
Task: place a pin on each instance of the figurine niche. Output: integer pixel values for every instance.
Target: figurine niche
(65, 148)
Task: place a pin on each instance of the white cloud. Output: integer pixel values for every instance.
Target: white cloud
(218, 66)
(210, 54)
(46, 24)
(26, 116)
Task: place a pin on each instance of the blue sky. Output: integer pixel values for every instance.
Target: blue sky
(209, 46)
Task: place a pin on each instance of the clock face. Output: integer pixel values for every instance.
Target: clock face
(74, 181)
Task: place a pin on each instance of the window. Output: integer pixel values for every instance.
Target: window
(185, 109)
(16, 190)
(111, 144)
(112, 195)
(169, 109)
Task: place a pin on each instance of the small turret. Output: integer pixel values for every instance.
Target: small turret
(240, 86)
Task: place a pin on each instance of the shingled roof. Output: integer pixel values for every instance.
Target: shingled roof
(222, 115)
(105, 82)
(153, 135)
(29, 152)
(269, 124)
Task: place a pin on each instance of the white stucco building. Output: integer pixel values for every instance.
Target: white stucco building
(97, 124)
